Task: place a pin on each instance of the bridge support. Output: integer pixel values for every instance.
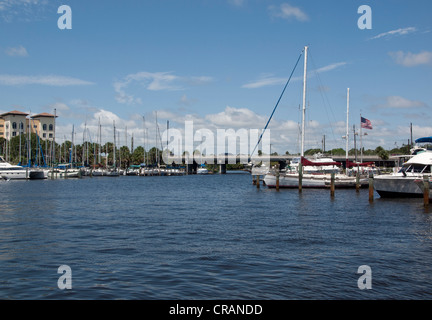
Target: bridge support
(222, 168)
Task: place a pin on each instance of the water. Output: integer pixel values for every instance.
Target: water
(208, 237)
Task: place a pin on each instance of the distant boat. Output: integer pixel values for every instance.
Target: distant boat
(202, 170)
(38, 173)
(64, 171)
(9, 171)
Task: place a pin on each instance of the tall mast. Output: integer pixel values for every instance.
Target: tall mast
(144, 140)
(114, 147)
(347, 126)
(304, 102)
(54, 138)
(100, 142)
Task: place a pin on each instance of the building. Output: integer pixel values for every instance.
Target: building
(13, 123)
(44, 124)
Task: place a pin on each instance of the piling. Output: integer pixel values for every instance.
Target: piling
(277, 178)
(332, 185)
(426, 190)
(358, 181)
(258, 181)
(371, 187)
(300, 171)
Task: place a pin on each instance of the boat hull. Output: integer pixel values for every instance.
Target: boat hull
(13, 174)
(312, 181)
(397, 186)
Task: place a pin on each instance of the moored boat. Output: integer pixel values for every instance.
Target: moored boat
(403, 183)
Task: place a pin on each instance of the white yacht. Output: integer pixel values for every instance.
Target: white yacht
(202, 170)
(9, 171)
(403, 183)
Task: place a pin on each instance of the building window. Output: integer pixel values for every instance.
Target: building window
(44, 135)
(44, 127)
(1, 125)
(22, 126)
(1, 133)
(14, 125)
(50, 127)
(14, 134)
(50, 135)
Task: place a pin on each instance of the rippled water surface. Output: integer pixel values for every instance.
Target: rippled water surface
(208, 237)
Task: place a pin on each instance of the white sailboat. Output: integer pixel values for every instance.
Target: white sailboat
(113, 172)
(319, 178)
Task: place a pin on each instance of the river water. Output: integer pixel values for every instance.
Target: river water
(208, 237)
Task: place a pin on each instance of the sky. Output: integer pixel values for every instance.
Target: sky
(223, 65)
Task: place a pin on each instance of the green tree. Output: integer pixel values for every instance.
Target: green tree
(138, 155)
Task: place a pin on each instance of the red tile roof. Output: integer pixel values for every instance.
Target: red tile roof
(15, 112)
(44, 114)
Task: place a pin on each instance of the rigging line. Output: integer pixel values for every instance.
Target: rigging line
(326, 100)
(274, 109)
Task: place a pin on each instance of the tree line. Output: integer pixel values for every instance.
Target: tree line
(45, 152)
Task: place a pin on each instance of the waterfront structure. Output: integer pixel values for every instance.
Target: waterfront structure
(14, 123)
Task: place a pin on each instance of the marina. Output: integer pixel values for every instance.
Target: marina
(237, 242)
(215, 150)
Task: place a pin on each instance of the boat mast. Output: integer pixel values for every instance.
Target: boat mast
(304, 102)
(54, 138)
(114, 147)
(347, 127)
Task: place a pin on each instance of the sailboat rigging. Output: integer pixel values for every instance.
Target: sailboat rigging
(322, 168)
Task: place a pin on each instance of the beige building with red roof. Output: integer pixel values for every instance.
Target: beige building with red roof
(13, 123)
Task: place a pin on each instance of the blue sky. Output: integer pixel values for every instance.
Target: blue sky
(222, 64)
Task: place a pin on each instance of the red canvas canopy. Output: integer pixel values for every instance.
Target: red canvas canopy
(350, 164)
(306, 162)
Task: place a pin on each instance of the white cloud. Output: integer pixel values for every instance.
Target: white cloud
(154, 81)
(400, 31)
(409, 59)
(50, 80)
(264, 81)
(331, 67)
(236, 118)
(400, 102)
(17, 52)
(286, 11)
(23, 10)
(270, 80)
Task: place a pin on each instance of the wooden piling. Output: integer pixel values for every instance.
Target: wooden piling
(358, 181)
(277, 178)
(426, 190)
(371, 187)
(332, 185)
(258, 181)
(300, 171)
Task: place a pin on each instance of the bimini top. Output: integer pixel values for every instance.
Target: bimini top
(424, 140)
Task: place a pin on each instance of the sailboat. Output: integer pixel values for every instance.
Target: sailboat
(319, 178)
(113, 172)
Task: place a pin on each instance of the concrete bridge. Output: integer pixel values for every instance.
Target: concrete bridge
(192, 163)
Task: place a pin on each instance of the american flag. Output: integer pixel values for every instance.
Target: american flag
(365, 123)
